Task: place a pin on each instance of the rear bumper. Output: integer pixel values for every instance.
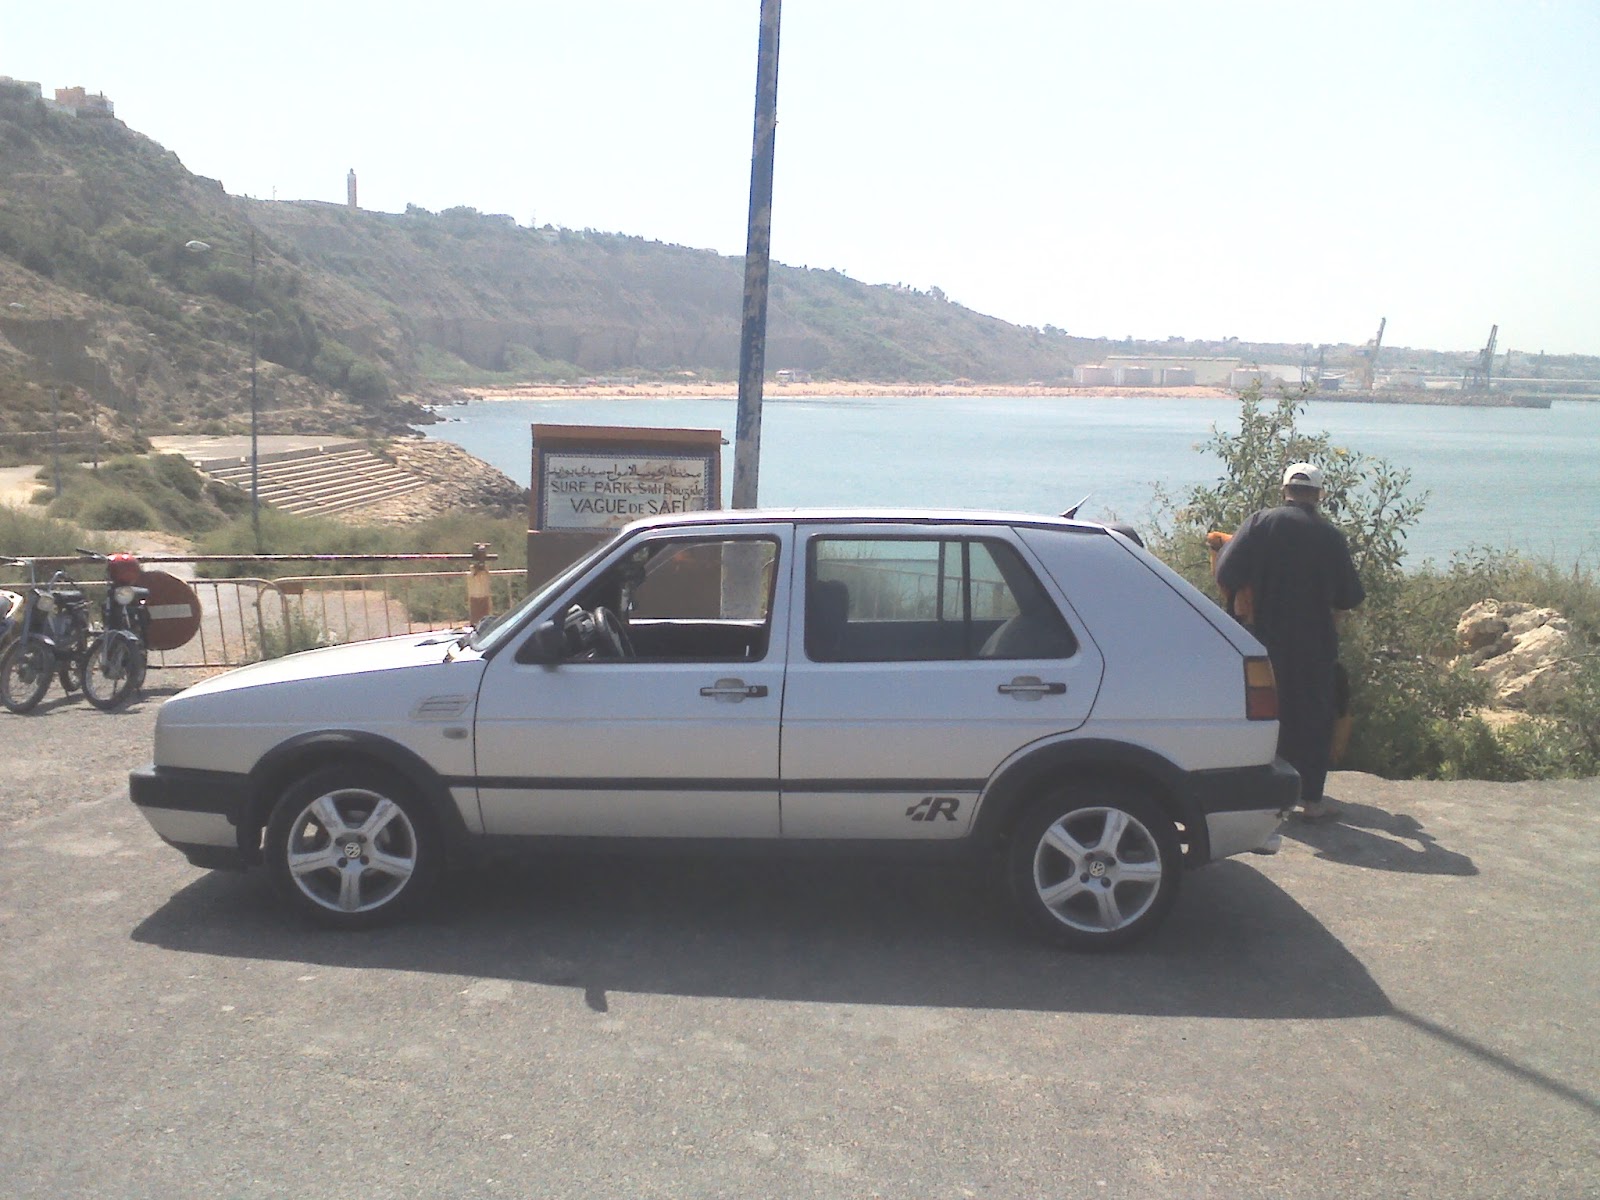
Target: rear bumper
(195, 812)
(1244, 806)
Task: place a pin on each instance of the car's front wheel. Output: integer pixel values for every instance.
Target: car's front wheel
(352, 846)
(1093, 867)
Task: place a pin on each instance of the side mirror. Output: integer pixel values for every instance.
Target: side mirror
(546, 644)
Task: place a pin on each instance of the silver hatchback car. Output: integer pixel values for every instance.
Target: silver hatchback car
(1039, 694)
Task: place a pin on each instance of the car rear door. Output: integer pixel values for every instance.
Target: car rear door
(920, 658)
(679, 737)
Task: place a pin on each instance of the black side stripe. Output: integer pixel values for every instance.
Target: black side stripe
(536, 783)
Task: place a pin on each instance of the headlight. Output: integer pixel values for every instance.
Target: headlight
(47, 602)
(123, 595)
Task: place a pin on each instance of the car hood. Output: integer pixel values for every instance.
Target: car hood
(357, 658)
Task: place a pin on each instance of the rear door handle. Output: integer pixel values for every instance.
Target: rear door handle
(1031, 687)
(730, 690)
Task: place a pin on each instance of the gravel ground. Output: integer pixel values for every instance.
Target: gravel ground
(66, 751)
(1398, 1005)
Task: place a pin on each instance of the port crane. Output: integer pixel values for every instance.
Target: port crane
(1480, 374)
(1369, 353)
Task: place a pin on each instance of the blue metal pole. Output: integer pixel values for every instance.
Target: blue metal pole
(757, 264)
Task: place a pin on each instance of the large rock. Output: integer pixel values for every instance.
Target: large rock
(1526, 653)
(457, 481)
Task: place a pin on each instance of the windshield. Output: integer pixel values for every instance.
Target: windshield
(494, 631)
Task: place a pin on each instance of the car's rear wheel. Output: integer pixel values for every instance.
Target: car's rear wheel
(1093, 867)
(352, 846)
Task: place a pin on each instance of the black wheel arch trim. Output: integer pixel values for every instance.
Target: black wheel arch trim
(1188, 795)
(278, 767)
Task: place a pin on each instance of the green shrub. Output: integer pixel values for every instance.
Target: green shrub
(111, 511)
(1414, 714)
(169, 491)
(332, 364)
(367, 381)
(296, 633)
(179, 474)
(26, 535)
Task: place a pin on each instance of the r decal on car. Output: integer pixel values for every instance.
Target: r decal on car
(931, 808)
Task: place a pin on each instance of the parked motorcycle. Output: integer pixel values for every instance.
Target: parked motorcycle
(10, 616)
(114, 666)
(52, 638)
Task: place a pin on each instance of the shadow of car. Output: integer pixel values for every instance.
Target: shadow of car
(836, 931)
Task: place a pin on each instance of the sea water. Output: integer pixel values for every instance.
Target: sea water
(1521, 479)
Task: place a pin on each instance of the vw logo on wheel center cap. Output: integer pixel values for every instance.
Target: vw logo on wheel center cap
(1097, 868)
(352, 849)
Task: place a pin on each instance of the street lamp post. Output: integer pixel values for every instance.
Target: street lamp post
(757, 260)
(198, 247)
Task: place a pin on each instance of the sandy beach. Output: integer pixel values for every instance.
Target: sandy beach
(778, 391)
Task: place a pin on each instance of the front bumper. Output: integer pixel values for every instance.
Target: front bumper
(196, 812)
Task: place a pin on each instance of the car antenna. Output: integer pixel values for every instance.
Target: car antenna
(1073, 511)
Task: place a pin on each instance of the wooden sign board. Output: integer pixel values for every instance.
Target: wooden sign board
(590, 480)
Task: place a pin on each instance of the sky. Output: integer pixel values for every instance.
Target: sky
(1270, 171)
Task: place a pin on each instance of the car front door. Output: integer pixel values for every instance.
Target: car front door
(924, 656)
(676, 735)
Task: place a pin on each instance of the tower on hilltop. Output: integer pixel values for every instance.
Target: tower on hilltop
(350, 189)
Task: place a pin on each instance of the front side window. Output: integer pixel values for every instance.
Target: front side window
(927, 599)
(691, 599)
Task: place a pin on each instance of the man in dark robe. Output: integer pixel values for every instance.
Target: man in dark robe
(1299, 571)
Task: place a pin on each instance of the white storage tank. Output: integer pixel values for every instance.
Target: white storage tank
(1243, 377)
(1093, 375)
(1177, 376)
(1135, 376)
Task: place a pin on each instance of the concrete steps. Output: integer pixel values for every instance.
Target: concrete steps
(317, 481)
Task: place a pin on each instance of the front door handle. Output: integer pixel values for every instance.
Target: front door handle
(731, 690)
(1031, 687)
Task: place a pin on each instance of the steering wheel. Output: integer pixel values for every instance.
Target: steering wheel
(612, 636)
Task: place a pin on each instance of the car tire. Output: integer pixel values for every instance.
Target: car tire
(1093, 866)
(352, 846)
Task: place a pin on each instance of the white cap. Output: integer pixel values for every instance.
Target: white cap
(1303, 474)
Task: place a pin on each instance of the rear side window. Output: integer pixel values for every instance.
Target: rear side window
(927, 599)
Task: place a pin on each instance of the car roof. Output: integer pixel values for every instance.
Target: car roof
(866, 516)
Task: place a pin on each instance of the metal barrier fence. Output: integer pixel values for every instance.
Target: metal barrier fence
(243, 620)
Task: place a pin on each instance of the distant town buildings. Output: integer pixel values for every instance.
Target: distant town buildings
(83, 103)
(78, 101)
(1168, 370)
(1158, 370)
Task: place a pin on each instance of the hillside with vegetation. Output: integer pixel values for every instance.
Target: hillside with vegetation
(109, 313)
(114, 327)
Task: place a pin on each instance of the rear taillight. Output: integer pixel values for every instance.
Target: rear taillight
(1260, 690)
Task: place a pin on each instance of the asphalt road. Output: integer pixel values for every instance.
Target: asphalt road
(1401, 1006)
